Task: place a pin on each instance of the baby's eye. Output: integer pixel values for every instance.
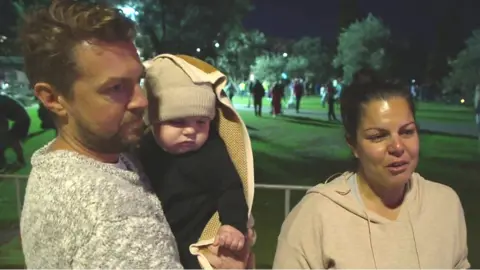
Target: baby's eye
(117, 88)
(176, 122)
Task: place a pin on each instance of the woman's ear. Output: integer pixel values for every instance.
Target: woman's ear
(352, 145)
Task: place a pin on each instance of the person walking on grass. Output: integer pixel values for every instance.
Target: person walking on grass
(258, 93)
(331, 102)
(299, 91)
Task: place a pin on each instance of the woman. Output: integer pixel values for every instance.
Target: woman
(277, 93)
(382, 215)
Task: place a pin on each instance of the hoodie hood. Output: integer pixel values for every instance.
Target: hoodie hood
(341, 192)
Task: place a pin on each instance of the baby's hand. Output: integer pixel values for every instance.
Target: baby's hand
(230, 238)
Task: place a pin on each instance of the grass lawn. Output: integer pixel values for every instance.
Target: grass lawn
(426, 110)
(11, 256)
(303, 151)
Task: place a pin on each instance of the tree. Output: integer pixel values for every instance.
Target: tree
(182, 26)
(10, 46)
(173, 26)
(22, 6)
(447, 40)
(363, 44)
(297, 67)
(269, 67)
(465, 68)
(312, 55)
(238, 52)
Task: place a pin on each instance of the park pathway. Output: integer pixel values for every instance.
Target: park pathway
(451, 128)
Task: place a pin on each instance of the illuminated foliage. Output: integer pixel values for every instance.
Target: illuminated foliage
(465, 68)
(363, 44)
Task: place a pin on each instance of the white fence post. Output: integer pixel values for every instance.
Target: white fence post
(19, 197)
(287, 202)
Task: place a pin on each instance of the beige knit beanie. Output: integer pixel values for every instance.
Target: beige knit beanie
(172, 94)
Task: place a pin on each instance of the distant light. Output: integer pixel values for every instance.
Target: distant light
(413, 81)
(462, 100)
(129, 11)
(252, 77)
(284, 75)
(217, 45)
(334, 83)
(198, 50)
(285, 54)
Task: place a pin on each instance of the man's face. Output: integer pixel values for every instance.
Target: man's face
(107, 104)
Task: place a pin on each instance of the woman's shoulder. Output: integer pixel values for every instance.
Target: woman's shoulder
(431, 185)
(328, 193)
(435, 190)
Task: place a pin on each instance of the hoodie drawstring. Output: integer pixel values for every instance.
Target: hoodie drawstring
(370, 239)
(370, 231)
(414, 238)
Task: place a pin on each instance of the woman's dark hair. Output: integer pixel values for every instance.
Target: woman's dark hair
(355, 96)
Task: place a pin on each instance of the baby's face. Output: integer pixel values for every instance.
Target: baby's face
(183, 135)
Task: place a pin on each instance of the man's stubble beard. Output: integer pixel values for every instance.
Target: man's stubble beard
(113, 144)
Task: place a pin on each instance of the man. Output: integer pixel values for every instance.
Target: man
(298, 90)
(11, 110)
(331, 91)
(257, 92)
(86, 204)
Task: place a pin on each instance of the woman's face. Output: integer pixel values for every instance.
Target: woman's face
(387, 143)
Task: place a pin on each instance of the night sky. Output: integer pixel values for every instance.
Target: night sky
(406, 18)
(294, 19)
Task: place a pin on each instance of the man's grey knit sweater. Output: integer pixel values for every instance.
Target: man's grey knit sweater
(82, 213)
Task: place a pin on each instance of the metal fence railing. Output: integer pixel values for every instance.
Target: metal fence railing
(20, 182)
(287, 193)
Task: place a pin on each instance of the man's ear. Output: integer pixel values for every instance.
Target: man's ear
(50, 98)
(351, 144)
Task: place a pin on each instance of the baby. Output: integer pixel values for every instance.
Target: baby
(187, 161)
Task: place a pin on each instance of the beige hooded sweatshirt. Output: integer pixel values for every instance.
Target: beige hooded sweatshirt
(330, 228)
